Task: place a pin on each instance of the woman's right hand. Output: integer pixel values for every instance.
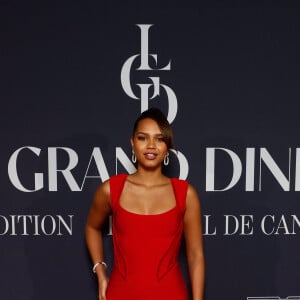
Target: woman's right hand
(102, 286)
(102, 281)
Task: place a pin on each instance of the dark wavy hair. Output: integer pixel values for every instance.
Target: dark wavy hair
(157, 115)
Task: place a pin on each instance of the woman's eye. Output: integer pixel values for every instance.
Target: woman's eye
(160, 139)
(141, 138)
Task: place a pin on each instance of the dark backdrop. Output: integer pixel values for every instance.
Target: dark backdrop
(234, 73)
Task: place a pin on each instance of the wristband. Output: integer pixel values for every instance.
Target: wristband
(97, 264)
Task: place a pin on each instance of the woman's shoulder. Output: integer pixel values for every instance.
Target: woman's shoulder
(105, 186)
(179, 179)
(180, 182)
(120, 176)
(185, 185)
(184, 182)
(103, 189)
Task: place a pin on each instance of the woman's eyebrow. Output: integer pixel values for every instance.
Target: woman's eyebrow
(146, 133)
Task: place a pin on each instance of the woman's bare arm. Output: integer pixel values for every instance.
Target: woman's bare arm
(194, 243)
(99, 212)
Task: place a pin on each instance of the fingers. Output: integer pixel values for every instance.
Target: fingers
(102, 296)
(102, 290)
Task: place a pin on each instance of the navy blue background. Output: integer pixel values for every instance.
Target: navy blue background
(235, 72)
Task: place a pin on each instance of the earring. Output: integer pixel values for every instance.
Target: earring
(166, 159)
(133, 157)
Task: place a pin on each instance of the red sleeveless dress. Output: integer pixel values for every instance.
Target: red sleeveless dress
(146, 249)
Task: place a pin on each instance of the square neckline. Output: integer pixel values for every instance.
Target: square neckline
(147, 215)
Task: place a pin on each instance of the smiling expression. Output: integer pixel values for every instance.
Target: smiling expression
(148, 144)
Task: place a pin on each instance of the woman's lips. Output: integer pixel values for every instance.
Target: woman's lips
(150, 156)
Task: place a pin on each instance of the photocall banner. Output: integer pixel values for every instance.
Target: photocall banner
(75, 76)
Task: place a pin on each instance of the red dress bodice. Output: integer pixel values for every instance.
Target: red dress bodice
(146, 249)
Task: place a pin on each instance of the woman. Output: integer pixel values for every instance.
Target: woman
(150, 213)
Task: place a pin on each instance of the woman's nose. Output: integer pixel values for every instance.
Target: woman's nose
(151, 143)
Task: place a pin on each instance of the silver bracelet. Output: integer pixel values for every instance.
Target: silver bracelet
(97, 264)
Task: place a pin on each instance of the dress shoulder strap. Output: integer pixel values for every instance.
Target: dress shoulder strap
(180, 189)
(116, 184)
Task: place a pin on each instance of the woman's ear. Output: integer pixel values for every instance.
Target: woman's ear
(131, 141)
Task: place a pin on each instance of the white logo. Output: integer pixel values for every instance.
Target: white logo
(55, 175)
(254, 159)
(154, 80)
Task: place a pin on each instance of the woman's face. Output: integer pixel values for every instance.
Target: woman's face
(148, 144)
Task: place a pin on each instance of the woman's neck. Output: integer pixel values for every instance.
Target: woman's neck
(149, 177)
